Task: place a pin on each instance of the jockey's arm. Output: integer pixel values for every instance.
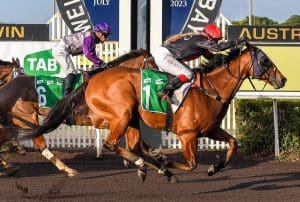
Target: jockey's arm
(89, 51)
(216, 47)
(213, 47)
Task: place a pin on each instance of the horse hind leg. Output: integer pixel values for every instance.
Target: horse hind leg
(222, 135)
(31, 116)
(135, 144)
(40, 143)
(131, 137)
(118, 127)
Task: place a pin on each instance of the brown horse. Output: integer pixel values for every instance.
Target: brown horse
(9, 70)
(19, 107)
(113, 98)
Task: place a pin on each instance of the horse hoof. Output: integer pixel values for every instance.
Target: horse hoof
(142, 174)
(173, 179)
(126, 163)
(155, 153)
(21, 152)
(10, 170)
(211, 170)
(99, 157)
(72, 173)
(3, 174)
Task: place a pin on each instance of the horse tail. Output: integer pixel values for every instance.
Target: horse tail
(59, 112)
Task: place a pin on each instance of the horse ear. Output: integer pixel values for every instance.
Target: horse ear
(18, 61)
(248, 45)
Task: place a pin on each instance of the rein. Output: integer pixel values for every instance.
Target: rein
(212, 95)
(216, 94)
(258, 64)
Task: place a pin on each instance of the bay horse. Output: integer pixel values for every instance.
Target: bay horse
(19, 107)
(114, 97)
(9, 70)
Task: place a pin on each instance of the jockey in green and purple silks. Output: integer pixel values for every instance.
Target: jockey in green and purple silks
(78, 44)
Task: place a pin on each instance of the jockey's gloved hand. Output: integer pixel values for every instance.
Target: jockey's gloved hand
(240, 41)
(103, 65)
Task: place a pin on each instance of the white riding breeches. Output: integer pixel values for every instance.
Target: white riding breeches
(167, 63)
(64, 59)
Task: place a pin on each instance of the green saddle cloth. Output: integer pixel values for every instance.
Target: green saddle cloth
(50, 89)
(152, 82)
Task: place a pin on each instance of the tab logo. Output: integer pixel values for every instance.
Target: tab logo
(41, 63)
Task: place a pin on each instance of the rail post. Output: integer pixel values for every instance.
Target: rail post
(276, 130)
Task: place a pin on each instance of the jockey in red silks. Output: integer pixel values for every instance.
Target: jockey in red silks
(78, 44)
(170, 57)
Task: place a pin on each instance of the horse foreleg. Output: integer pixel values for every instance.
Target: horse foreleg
(189, 149)
(222, 135)
(7, 168)
(132, 137)
(40, 143)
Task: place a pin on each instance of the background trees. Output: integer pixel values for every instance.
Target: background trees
(294, 20)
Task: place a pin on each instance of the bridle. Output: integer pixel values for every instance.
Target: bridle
(260, 64)
(14, 72)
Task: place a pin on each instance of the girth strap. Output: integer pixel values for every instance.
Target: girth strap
(169, 118)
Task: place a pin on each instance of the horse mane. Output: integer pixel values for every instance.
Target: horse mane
(122, 58)
(220, 59)
(127, 56)
(3, 63)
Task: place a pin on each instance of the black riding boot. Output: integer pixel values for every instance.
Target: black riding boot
(68, 83)
(172, 85)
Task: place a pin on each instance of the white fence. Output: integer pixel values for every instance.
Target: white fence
(87, 136)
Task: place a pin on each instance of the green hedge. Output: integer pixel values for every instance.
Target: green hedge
(255, 126)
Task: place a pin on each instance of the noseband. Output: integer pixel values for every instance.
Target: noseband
(261, 63)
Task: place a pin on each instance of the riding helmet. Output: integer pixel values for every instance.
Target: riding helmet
(103, 28)
(213, 31)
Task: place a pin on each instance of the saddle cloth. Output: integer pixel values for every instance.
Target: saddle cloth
(50, 89)
(154, 81)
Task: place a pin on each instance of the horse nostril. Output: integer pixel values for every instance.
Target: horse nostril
(283, 80)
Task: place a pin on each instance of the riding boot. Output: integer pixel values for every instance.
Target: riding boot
(168, 90)
(68, 83)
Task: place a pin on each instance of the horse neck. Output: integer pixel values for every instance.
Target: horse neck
(136, 63)
(227, 80)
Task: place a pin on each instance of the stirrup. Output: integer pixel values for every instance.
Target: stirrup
(165, 96)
